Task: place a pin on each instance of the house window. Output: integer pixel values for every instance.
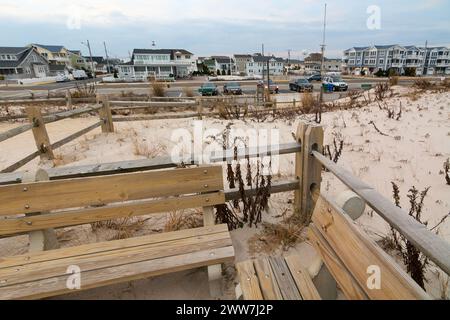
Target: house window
(381, 61)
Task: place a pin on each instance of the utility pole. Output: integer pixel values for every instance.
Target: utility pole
(322, 47)
(425, 58)
(107, 58)
(262, 50)
(87, 44)
(289, 60)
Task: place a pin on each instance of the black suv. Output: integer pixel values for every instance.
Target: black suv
(300, 85)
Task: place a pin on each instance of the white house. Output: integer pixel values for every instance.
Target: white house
(159, 63)
(258, 65)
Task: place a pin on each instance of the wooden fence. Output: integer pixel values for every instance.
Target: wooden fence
(37, 124)
(309, 162)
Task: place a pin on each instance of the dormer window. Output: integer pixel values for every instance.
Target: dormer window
(8, 57)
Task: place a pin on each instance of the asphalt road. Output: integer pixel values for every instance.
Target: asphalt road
(174, 89)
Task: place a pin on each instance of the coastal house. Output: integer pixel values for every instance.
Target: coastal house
(22, 62)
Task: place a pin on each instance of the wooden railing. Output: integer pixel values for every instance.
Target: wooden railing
(309, 162)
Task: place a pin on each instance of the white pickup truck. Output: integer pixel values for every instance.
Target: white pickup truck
(336, 82)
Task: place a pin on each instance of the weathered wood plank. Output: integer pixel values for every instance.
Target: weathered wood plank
(40, 134)
(14, 132)
(94, 248)
(249, 281)
(43, 270)
(343, 277)
(75, 135)
(434, 247)
(312, 170)
(117, 274)
(20, 225)
(299, 173)
(272, 150)
(267, 281)
(359, 254)
(71, 193)
(286, 283)
(302, 279)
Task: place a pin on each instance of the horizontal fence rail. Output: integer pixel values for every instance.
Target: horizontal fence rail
(434, 247)
(150, 164)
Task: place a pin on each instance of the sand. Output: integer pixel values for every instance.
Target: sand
(411, 153)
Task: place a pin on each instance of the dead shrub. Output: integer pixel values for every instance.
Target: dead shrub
(416, 262)
(393, 81)
(124, 227)
(142, 148)
(228, 110)
(179, 220)
(381, 90)
(158, 89)
(308, 102)
(338, 146)
(282, 235)
(84, 90)
(447, 171)
(423, 84)
(254, 193)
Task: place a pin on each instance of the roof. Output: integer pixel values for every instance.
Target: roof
(266, 58)
(12, 50)
(51, 48)
(242, 55)
(385, 46)
(160, 51)
(222, 59)
(77, 52)
(97, 59)
(20, 52)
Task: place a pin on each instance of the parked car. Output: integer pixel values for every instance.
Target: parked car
(315, 77)
(79, 75)
(336, 83)
(273, 88)
(62, 78)
(208, 89)
(300, 85)
(232, 88)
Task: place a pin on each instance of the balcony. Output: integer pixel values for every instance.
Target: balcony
(163, 63)
(397, 65)
(443, 64)
(398, 56)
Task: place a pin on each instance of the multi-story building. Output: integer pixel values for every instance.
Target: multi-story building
(158, 63)
(22, 62)
(259, 64)
(313, 63)
(54, 54)
(432, 60)
(241, 61)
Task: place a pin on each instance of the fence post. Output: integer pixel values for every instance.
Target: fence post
(40, 133)
(293, 103)
(199, 108)
(300, 138)
(312, 170)
(40, 240)
(68, 100)
(106, 115)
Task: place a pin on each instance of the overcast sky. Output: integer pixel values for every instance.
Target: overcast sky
(207, 27)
